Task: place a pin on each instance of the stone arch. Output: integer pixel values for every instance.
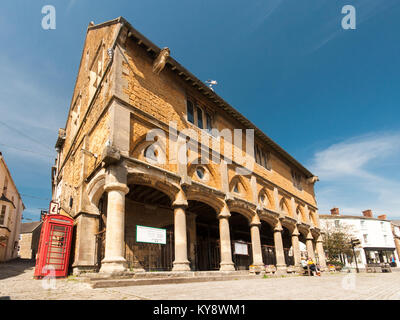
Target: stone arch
(284, 206)
(243, 186)
(269, 198)
(205, 197)
(300, 212)
(138, 150)
(166, 186)
(95, 188)
(270, 219)
(212, 175)
(237, 206)
(313, 217)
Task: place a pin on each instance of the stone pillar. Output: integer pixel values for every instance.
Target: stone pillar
(85, 246)
(280, 256)
(256, 243)
(397, 244)
(181, 262)
(114, 260)
(321, 253)
(225, 240)
(296, 248)
(310, 246)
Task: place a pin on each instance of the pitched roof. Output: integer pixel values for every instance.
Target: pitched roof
(206, 91)
(30, 227)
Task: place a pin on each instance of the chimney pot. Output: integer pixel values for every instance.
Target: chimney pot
(383, 217)
(335, 212)
(368, 214)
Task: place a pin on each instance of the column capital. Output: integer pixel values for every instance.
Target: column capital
(116, 186)
(182, 205)
(180, 201)
(295, 233)
(224, 213)
(255, 224)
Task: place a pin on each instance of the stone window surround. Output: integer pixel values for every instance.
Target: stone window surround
(206, 114)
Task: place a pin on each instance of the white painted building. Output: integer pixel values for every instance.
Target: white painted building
(375, 235)
(11, 208)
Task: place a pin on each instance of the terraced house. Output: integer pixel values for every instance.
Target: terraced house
(132, 170)
(11, 208)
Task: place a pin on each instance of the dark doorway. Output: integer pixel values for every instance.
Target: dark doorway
(267, 244)
(287, 247)
(101, 235)
(151, 208)
(207, 245)
(240, 239)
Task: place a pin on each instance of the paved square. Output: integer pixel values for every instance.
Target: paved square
(16, 282)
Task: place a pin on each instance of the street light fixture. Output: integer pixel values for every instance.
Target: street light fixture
(354, 243)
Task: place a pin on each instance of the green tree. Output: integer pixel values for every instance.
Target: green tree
(337, 242)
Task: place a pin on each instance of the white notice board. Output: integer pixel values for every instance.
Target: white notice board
(241, 249)
(151, 235)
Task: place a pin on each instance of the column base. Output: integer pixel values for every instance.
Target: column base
(181, 266)
(281, 270)
(113, 265)
(258, 268)
(78, 270)
(227, 266)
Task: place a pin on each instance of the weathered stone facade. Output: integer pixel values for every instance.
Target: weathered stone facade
(29, 240)
(105, 179)
(11, 208)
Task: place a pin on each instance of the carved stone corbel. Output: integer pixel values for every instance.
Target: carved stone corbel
(160, 62)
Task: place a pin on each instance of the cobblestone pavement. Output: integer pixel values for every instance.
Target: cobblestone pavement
(16, 283)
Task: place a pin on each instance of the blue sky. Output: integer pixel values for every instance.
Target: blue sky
(329, 96)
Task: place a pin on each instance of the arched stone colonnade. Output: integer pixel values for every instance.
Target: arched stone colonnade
(115, 181)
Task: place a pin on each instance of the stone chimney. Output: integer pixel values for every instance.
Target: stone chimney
(383, 217)
(335, 212)
(368, 214)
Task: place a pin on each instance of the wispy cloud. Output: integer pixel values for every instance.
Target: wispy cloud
(360, 173)
(365, 10)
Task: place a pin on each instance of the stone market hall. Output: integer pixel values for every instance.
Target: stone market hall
(113, 180)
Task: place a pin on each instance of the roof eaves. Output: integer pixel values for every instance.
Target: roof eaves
(205, 90)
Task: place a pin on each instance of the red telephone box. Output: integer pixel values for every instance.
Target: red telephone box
(54, 247)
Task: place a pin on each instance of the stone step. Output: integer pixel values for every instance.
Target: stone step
(158, 275)
(166, 280)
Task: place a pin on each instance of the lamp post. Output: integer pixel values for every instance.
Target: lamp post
(354, 243)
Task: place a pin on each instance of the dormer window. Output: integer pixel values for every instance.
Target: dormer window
(200, 123)
(198, 116)
(190, 112)
(262, 157)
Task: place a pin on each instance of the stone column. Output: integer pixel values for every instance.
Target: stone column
(397, 244)
(310, 246)
(85, 246)
(256, 243)
(280, 256)
(114, 260)
(296, 248)
(321, 253)
(181, 262)
(225, 240)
